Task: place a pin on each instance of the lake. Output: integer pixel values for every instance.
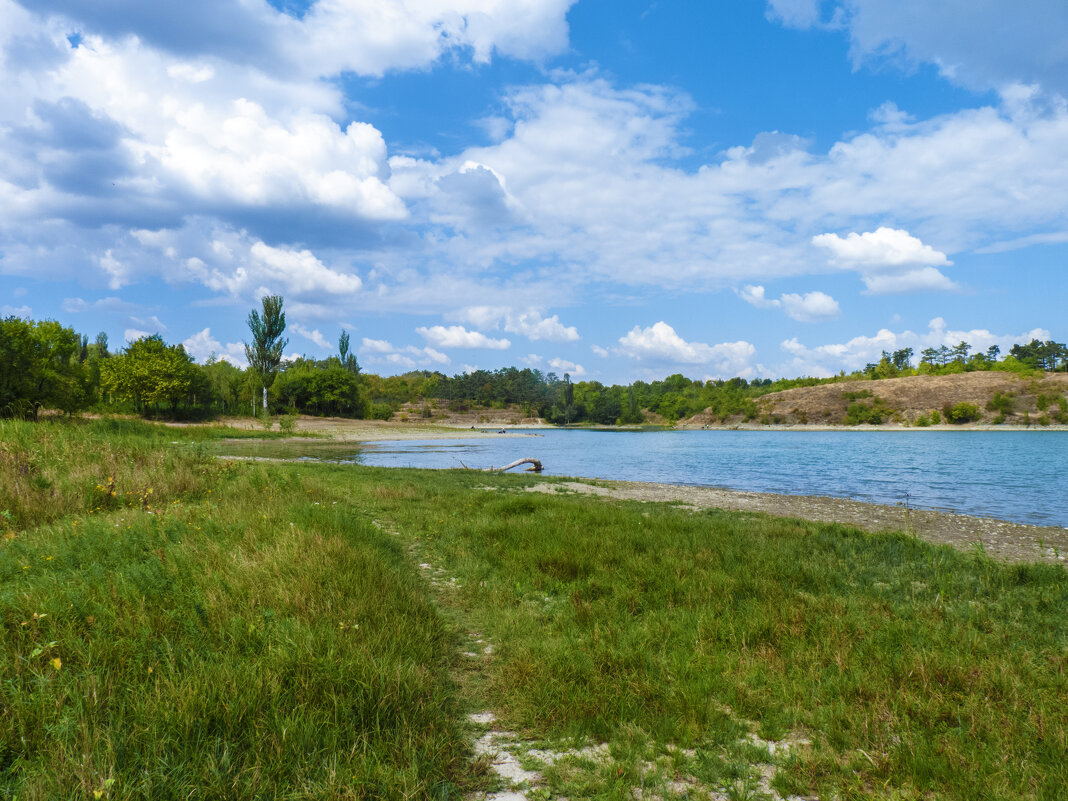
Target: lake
(1011, 475)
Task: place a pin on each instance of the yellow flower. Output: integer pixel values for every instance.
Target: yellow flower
(57, 663)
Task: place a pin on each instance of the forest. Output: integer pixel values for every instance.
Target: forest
(49, 366)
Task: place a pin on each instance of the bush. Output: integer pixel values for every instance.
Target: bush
(381, 411)
(962, 413)
(1001, 403)
(287, 422)
(923, 421)
(936, 418)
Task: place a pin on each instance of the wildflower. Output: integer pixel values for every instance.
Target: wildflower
(57, 663)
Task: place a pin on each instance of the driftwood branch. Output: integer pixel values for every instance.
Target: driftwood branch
(535, 466)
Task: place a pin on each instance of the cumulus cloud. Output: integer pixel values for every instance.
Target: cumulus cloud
(659, 344)
(884, 247)
(565, 366)
(979, 45)
(808, 308)
(556, 364)
(456, 336)
(889, 260)
(16, 311)
(527, 322)
(333, 36)
(409, 356)
(202, 346)
(312, 334)
(240, 266)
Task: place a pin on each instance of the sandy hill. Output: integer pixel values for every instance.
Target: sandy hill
(906, 399)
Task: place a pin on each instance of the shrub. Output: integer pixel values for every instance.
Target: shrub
(923, 421)
(1001, 403)
(381, 411)
(961, 413)
(936, 418)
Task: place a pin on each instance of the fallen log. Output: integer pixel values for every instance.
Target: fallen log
(535, 466)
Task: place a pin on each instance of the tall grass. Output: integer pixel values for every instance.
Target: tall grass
(245, 631)
(251, 643)
(919, 670)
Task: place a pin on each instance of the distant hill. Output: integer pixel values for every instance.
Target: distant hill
(998, 397)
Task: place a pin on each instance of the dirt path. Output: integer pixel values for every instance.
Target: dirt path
(1011, 542)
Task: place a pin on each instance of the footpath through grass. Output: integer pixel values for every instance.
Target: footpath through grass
(262, 631)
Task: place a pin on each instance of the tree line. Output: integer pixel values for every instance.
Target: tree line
(46, 365)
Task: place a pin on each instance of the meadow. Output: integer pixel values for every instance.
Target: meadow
(173, 625)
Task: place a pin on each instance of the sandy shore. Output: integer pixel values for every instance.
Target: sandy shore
(1013, 542)
(346, 430)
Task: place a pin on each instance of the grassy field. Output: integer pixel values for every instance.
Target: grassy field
(176, 626)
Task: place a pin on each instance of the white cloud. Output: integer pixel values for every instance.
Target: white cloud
(889, 260)
(312, 334)
(527, 322)
(885, 247)
(381, 350)
(924, 279)
(754, 295)
(16, 311)
(808, 308)
(980, 45)
(565, 366)
(599, 351)
(242, 155)
(243, 267)
(377, 346)
(659, 344)
(133, 334)
(556, 364)
(456, 336)
(202, 345)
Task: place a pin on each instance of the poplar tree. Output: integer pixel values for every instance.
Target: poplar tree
(265, 353)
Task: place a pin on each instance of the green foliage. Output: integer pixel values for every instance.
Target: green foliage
(961, 413)
(265, 353)
(936, 417)
(312, 388)
(149, 373)
(874, 413)
(1002, 403)
(41, 368)
(858, 395)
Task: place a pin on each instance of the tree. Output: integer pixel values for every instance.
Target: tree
(992, 353)
(902, 359)
(348, 360)
(265, 353)
(40, 368)
(149, 371)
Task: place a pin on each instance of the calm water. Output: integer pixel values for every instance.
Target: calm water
(1012, 475)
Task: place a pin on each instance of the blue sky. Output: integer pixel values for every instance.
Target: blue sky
(615, 190)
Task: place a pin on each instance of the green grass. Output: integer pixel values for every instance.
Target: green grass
(254, 630)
